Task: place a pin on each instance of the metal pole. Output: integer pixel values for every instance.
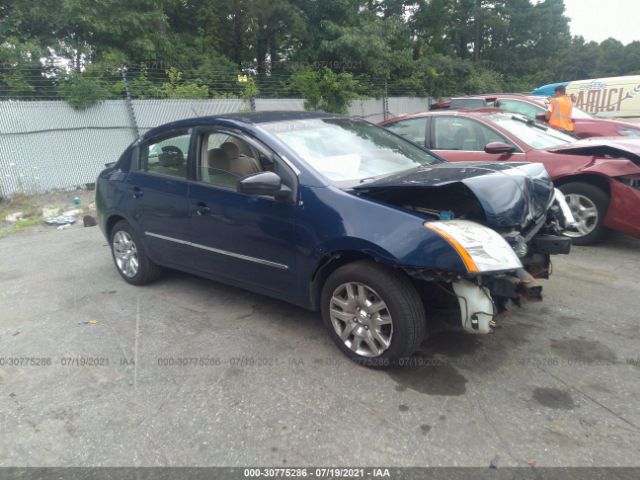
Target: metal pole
(132, 113)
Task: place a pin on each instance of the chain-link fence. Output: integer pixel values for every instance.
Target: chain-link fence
(47, 144)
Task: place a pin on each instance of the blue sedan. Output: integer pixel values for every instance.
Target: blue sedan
(335, 214)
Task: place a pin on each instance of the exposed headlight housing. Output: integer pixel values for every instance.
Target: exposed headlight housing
(480, 248)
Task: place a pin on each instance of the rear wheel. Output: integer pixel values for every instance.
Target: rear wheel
(130, 258)
(588, 205)
(373, 314)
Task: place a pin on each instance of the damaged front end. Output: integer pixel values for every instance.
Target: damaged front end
(504, 220)
(494, 280)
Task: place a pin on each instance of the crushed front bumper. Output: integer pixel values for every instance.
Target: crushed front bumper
(535, 246)
(484, 299)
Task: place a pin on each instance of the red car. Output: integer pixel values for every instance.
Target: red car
(534, 107)
(600, 177)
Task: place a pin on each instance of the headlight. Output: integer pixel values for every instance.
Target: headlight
(480, 248)
(629, 132)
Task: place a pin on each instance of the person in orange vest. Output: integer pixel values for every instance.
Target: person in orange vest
(560, 111)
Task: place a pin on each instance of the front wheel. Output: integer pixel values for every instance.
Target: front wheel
(588, 205)
(129, 255)
(373, 314)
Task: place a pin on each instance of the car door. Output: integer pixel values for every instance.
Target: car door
(462, 139)
(243, 239)
(157, 195)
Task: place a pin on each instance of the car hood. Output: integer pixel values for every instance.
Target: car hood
(596, 121)
(616, 147)
(510, 195)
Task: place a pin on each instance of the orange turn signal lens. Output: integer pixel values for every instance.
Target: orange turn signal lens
(464, 255)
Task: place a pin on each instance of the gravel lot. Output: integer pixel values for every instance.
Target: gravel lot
(556, 385)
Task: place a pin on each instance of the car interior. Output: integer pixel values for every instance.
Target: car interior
(167, 157)
(461, 134)
(228, 158)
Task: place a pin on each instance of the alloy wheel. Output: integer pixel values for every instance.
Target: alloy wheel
(585, 213)
(125, 253)
(361, 319)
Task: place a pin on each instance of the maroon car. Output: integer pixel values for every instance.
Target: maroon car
(600, 177)
(534, 107)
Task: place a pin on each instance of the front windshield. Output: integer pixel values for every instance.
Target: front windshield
(349, 151)
(535, 134)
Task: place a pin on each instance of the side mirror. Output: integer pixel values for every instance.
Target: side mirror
(264, 183)
(541, 117)
(499, 148)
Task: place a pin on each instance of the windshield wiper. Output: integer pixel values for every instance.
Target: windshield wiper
(530, 122)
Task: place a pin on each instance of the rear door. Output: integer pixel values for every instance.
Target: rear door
(157, 195)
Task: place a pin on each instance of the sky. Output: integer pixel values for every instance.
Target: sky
(600, 19)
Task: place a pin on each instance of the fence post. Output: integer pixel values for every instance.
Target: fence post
(132, 113)
(385, 101)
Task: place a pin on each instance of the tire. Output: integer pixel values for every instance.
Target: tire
(401, 322)
(583, 197)
(125, 245)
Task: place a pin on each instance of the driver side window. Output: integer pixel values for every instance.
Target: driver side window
(166, 156)
(226, 158)
(460, 133)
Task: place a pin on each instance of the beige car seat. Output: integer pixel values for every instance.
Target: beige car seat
(239, 164)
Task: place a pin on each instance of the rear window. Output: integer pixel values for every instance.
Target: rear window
(469, 103)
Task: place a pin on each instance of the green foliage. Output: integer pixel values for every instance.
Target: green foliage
(415, 47)
(177, 88)
(82, 91)
(484, 81)
(250, 89)
(326, 90)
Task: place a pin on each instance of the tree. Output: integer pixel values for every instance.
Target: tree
(175, 87)
(325, 90)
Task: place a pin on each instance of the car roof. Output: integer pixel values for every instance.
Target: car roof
(272, 116)
(247, 118)
(495, 95)
(472, 113)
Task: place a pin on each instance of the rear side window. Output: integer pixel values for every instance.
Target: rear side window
(166, 155)
(414, 129)
(468, 103)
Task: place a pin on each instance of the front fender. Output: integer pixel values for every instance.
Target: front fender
(333, 220)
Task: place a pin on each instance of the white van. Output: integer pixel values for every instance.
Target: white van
(614, 97)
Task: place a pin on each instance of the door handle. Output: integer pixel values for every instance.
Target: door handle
(136, 192)
(202, 209)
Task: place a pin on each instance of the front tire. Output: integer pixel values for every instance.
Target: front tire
(373, 314)
(589, 205)
(130, 257)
